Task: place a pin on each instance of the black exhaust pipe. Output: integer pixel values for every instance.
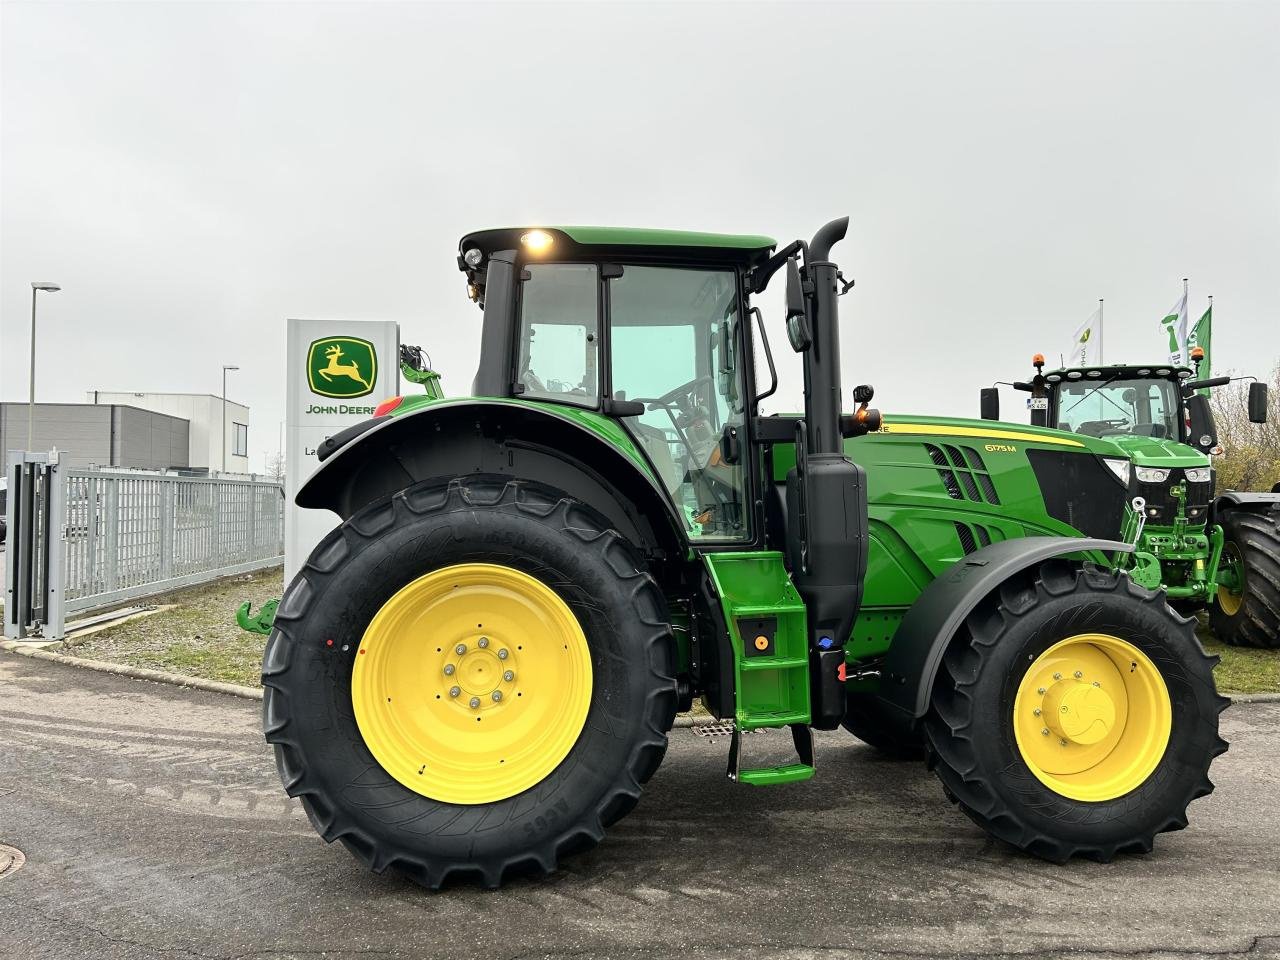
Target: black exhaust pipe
(826, 495)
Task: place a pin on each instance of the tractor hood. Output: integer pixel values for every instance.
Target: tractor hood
(996, 432)
(1157, 452)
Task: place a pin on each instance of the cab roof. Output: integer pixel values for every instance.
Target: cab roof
(1138, 370)
(605, 241)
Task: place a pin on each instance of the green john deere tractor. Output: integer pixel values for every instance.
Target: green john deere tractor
(1206, 549)
(475, 674)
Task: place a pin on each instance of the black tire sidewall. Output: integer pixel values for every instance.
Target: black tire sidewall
(1143, 810)
(389, 545)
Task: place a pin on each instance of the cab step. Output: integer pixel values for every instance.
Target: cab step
(801, 736)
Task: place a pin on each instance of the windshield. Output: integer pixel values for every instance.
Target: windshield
(1121, 405)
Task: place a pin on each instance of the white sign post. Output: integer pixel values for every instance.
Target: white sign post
(339, 370)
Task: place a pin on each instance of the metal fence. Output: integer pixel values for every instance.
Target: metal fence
(126, 535)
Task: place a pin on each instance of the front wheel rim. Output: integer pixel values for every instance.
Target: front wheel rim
(1228, 600)
(472, 683)
(1092, 717)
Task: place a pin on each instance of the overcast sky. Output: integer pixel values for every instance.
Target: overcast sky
(194, 174)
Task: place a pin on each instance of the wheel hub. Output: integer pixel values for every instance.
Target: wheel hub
(1079, 712)
(479, 672)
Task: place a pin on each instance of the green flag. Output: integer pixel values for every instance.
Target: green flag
(1200, 336)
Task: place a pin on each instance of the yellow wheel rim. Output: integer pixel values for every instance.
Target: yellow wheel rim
(1228, 601)
(472, 683)
(1092, 717)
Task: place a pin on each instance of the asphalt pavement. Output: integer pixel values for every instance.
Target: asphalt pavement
(154, 826)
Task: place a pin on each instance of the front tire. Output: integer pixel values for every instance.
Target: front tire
(1250, 617)
(382, 752)
(1075, 715)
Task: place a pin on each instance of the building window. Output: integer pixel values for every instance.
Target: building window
(239, 440)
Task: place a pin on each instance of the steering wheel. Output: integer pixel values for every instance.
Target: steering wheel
(674, 397)
(1095, 428)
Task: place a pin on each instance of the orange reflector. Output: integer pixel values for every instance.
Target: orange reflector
(386, 406)
(762, 643)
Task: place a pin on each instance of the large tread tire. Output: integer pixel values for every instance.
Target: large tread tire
(969, 728)
(867, 720)
(1256, 538)
(307, 706)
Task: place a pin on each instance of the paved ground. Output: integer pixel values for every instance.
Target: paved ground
(154, 826)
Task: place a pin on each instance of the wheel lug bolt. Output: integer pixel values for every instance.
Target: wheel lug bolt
(1044, 732)
(454, 691)
(508, 676)
(1040, 690)
(475, 703)
(1057, 676)
(460, 649)
(497, 695)
(1096, 683)
(1063, 741)
(1036, 711)
(503, 654)
(482, 642)
(448, 669)
(1078, 674)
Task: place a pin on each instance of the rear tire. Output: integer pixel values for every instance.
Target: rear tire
(973, 743)
(1252, 617)
(324, 620)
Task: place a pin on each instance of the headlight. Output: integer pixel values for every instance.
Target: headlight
(1151, 474)
(1119, 467)
(1197, 474)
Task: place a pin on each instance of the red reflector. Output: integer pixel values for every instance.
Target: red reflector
(386, 406)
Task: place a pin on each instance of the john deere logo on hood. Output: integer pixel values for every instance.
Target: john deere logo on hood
(342, 367)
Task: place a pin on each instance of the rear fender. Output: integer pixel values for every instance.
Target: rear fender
(455, 438)
(1253, 502)
(911, 665)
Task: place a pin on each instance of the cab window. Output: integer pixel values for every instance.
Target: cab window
(673, 346)
(559, 333)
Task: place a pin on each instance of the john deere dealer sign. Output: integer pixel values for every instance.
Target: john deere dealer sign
(338, 373)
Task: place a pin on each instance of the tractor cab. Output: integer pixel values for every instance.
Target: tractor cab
(641, 326)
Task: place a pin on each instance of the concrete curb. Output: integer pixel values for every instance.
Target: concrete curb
(136, 673)
(255, 693)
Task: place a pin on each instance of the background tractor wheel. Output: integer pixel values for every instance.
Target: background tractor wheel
(1075, 714)
(470, 679)
(1250, 617)
(865, 718)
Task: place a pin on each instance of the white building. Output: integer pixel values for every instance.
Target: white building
(219, 434)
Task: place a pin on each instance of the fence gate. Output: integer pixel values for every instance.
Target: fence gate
(33, 559)
(82, 539)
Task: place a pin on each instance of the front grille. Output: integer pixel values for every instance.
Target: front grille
(963, 473)
(1162, 506)
(1080, 491)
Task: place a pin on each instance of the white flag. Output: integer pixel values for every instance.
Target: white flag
(1085, 341)
(1175, 327)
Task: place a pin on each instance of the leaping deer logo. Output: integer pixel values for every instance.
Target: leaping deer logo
(336, 369)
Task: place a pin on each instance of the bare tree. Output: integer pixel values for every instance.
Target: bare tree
(1250, 460)
(275, 466)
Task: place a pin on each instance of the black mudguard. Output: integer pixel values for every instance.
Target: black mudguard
(912, 662)
(1253, 502)
(465, 436)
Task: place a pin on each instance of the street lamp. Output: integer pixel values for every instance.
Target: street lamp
(31, 397)
(225, 368)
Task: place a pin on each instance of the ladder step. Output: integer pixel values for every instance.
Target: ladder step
(774, 663)
(770, 776)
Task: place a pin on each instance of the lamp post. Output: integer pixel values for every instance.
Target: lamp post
(225, 368)
(31, 397)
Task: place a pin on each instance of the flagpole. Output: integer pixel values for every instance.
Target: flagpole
(1101, 358)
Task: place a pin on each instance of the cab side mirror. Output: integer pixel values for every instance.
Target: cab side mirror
(989, 403)
(798, 331)
(1257, 402)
